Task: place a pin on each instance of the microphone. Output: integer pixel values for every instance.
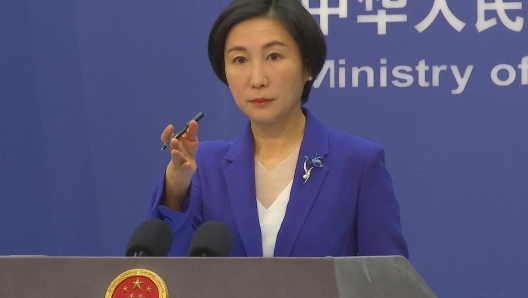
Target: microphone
(211, 239)
(152, 238)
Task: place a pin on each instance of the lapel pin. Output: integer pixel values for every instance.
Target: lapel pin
(311, 162)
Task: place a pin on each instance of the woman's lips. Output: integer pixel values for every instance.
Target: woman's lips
(260, 102)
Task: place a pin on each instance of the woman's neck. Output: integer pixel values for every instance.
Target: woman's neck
(273, 143)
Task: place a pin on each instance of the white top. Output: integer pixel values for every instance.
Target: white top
(273, 194)
(271, 220)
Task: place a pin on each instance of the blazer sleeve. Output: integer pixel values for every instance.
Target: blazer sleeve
(184, 222)
(378, 226)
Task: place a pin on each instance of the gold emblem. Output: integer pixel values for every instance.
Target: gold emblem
(137, 283)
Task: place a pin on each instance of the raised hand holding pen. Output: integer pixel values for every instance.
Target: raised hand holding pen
(180, 133)
(182, 166)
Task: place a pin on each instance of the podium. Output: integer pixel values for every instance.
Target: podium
(358, 277)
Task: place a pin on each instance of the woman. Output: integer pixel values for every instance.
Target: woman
(286, 186)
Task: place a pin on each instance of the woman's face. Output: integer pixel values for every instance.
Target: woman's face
(264, 70)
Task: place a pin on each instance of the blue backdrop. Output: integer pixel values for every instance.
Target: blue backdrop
(86, 87)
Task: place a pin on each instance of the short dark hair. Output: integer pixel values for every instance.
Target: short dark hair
(291, 14)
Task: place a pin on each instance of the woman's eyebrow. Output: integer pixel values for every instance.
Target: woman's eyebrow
(274, 43)
(267, 45)
(236, 49)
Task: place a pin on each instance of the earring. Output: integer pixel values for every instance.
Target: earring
(310, 78)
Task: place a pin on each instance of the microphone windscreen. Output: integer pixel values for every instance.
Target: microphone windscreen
(211, 239)
(152, 238)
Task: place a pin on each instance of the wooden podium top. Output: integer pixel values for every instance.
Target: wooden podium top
(216, 277)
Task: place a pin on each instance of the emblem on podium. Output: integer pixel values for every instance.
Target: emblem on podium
(137, 283)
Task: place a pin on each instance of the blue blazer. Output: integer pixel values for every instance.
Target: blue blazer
(346, 208)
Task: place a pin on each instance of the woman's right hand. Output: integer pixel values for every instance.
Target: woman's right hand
(182, 166)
